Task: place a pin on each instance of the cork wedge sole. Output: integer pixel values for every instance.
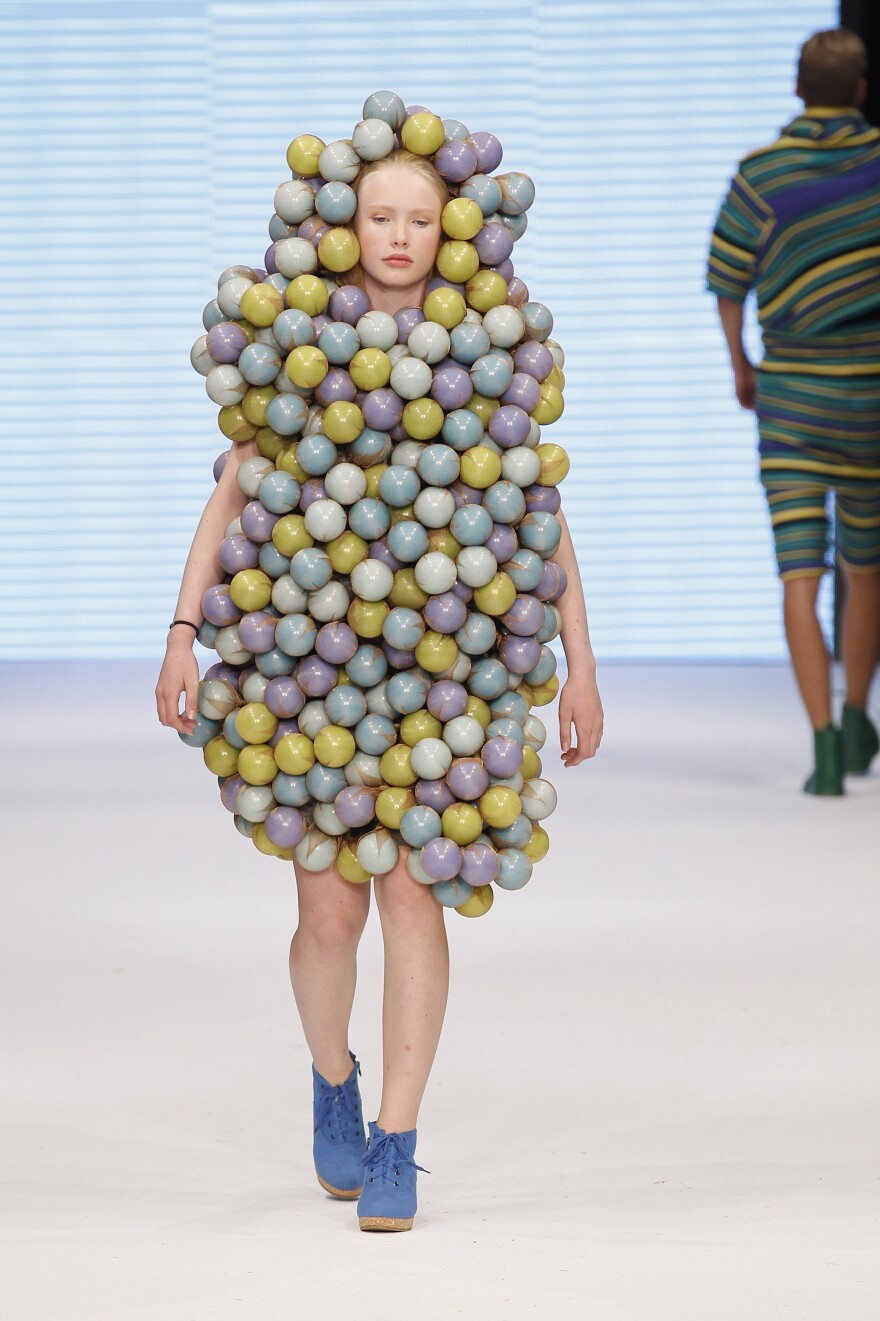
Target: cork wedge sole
(346, 1194)
(386, 1223)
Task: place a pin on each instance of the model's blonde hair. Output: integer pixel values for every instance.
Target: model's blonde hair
(830, 67)
(398, 160)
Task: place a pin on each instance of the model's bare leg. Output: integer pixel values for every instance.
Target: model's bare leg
(323, 964)
(416, 986)
(860, 634)
(809, 655)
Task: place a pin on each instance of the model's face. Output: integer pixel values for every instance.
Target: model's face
(398, 228)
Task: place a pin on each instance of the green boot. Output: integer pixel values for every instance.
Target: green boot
(860, 741)
(827, 778)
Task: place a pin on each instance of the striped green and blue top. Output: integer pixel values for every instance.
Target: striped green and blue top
(801, 226)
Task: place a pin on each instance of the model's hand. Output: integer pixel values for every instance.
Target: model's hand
(179, 674)
(744, 381)
(580, 706)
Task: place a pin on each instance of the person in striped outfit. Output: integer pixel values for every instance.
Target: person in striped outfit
(801, 226)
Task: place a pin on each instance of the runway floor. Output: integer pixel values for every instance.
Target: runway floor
(657, 1094)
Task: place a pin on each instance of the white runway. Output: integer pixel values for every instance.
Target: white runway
(658, 1091)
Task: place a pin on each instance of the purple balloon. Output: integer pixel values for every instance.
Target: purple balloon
(312, 490)
(463, 592)
(465, 495)
(238, 552)
(524, 391)
(452, 387)
(337, 642)
(505, 270)
(337, 385)
(444, 613)
(379, 551)
(348, 303)
(433, 793)
(257, 523)
(441, 858)
(382, 409)
(436, 282)
(525, 616)
(313, 229)
(416, 110)
(553, 583)
(479, 864)
(494, 243)
(355, 806)
(229, 791)
(284, 697)
(223, 670)
(269, 259)
(544, 498)
(220, 463)
(502, 756)
(218, 606)
(257, 631)
(502, 541)
(319, 323)
(316, 676)
(407, 319)
(517, 292)
(455, 160)
(489, 152)
(467, 777)
(283, 727)
(447, 699)
(260, 274)
(397, 658)
(225, 341)
(519, 654)
(509, 425)
(399, 433)
(285, 826)
(534, 358)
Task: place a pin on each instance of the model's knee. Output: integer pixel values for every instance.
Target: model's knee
(400, 897)
(328, 933)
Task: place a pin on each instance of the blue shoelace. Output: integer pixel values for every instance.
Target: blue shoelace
(338, 1105)
(386, 1152)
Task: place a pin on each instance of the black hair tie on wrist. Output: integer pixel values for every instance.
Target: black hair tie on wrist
(188, 622)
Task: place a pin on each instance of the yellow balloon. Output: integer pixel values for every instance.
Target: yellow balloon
(288, 462)
(406, 590)
(550, 407)
(391, 805)
(339, 250)
(462, 823)
(555, 464)
(219, 756)
(500, 806)
(480, 467)
(422, 419)
(290, 534)
(261, 841)
(486, 289)
(348, 866)
(497, 596)
(531, 764)
(233, 423)
(477, 903)
(294, 754)
(308, 294)
(419, 725)
(479, 709)
(543, 693)
(404, 514)
(423, 133)
(460, 219)
(538, 844)
(373, 475)
(334, 745)
(436, 652)
(556, 376)
(482, 406)
(367, 617)
(457, 261)
(261, 304)
(255, 723)
(270, 444)
(256, 764)
(370, 369)
(346, 551)
(444, 305)
(254, 405)
(251, 589)
(304, 153)
(440, 538)
(343, 422)
(395, 766)
(306, 366)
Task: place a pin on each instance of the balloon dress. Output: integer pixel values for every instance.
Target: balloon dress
(389, 593)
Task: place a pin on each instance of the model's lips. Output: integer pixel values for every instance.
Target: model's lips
(398, 259)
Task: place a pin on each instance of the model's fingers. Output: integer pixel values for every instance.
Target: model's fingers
(192, 697)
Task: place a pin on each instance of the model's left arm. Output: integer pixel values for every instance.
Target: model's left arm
(579, 702)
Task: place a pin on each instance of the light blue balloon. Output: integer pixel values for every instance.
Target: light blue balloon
(274, 663)
(438, 465)
(375, 734)
(462, 429)
(488, 678)
(296, 634)
(204, 731)
(403, 628)
(552, 625)
(472, 524)
(316, 454)
(369, 518)
(408, 691)
(287, 414)
(419, 824)
(485, 191)
(408, 541)
(505, 502)
(336, 203)
(545, 668)
(290, 790)
(512, 705)
(259, 364)
(476, 635)
(508, 727)
(346, 705)
(279, 492)
(339, 342)
(491, 374)
(467, 342)
(367, 666)
(372, 445)
(399, 486)
(525, 568)
(387, 106)
(451, 893)
(231, 734)
(311, 569)
(325, 782)
(515, 869)
(516, 835)
(293, 328)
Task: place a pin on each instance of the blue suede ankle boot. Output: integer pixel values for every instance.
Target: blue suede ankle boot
(339, 1140)
(389, 1198)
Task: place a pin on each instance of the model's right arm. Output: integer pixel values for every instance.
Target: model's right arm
(180, 671)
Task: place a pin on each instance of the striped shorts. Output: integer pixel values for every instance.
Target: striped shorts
(818, 435)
